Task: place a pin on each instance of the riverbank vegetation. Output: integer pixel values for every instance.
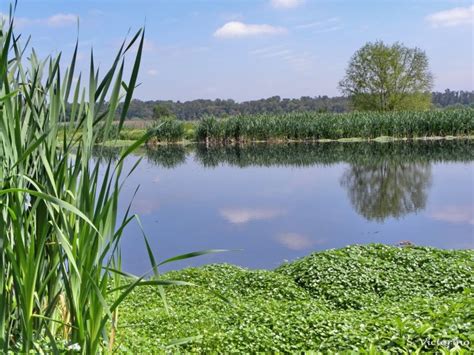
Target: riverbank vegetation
(304, 126)
(310, 126)
(369, 299)
(313, 126)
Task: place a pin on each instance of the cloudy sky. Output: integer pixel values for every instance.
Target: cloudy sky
(243, 49)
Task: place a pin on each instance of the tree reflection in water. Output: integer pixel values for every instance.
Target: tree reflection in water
(383, 179)
(387, 189)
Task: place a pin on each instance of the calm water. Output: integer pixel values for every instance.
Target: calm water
(281, 202)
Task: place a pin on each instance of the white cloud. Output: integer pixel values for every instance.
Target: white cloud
(454, 214)
(145, 206)
(453, 17)
(281, 53)
(286, 4)
(295, 241)
(299, 61)
(57, 20)
(323, 26)
(245, 215)
(302, 62)
(266, 50)
(61, 20)
(236, 29)
(19, 21)
(321, 23)
(152, 72)
(149, 45)
(329, 29)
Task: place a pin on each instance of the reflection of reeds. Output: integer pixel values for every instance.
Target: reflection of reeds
(105, 154)
(301, 154)
(167, 156)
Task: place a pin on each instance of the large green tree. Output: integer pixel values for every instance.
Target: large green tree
(388, 77)
(161, 111)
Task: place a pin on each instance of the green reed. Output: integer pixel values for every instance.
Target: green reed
(60, 278)
(316, 126)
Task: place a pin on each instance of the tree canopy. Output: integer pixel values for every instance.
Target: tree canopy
(161, 111)
(388, 77)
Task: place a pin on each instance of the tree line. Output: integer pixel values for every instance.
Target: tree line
(196, 109)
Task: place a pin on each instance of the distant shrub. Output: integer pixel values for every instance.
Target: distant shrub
(189, 131)
(168, 130)
(132, 134)
(100, 133)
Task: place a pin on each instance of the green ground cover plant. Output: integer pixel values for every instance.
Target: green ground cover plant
(367, 299)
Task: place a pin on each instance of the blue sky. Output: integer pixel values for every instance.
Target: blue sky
(252, 49)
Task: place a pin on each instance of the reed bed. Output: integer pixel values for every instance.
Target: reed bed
(316, 126)
(167, 130)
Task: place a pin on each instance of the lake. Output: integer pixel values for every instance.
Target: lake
(271, 203)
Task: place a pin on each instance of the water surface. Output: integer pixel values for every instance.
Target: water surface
(280, 202)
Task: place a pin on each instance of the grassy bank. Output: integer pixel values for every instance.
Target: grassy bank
(375, 298)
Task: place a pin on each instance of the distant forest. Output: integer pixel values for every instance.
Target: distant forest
(196, 109)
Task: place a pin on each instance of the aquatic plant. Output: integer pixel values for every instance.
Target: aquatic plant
(362, 299)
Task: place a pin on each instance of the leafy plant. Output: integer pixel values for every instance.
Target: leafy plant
(314, 304)
(383, 272)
